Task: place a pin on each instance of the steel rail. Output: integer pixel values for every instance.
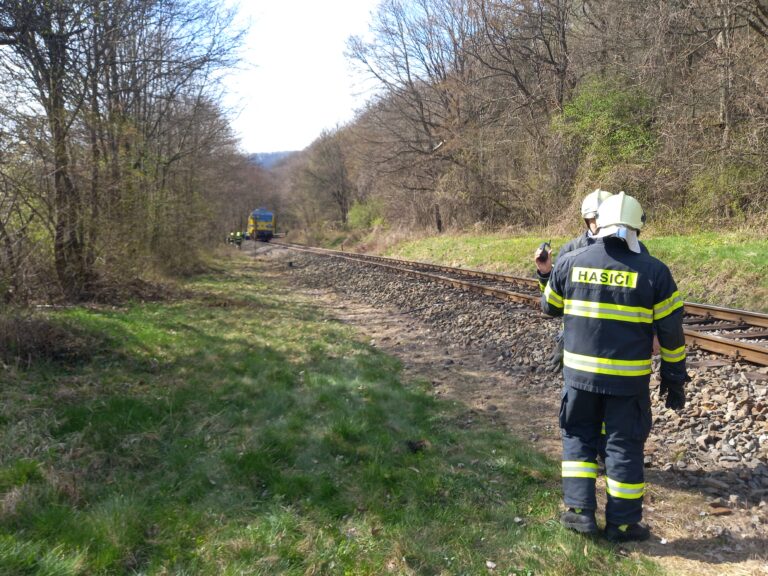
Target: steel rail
(727, 346)
(470, 272)
(734, 314)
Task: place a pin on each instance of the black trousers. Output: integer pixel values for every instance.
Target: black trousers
(627, 424)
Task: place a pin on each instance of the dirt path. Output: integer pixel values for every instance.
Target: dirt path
(689, 535)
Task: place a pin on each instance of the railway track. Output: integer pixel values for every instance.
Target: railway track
(738, 334)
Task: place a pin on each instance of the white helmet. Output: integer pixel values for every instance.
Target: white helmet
(621, 210)
(592, 201)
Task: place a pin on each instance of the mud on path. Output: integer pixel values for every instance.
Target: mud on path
(691, 534)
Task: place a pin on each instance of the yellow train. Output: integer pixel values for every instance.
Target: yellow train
(261, 225)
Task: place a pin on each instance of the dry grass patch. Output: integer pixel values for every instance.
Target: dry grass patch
(26, 338)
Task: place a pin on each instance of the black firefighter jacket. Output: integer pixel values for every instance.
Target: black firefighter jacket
(612, 299)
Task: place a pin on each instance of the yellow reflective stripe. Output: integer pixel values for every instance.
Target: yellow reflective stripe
(588, 309)
(571, 469)
(542, 286)
(553, 297)
(666, 307)
(610, 366)
(602, 430)
(620, 278)
(624, 490)
(673, 355)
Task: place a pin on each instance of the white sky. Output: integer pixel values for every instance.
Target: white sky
(295, 80)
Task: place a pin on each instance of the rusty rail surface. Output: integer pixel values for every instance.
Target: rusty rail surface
(699, 318)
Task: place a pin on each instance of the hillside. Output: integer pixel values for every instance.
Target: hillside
(269, 160)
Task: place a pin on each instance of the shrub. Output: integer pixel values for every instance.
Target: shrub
(723, 192)
(368, 214)
(610, 123)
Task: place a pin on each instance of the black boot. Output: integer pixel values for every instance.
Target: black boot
(626, 532)
(582, 521)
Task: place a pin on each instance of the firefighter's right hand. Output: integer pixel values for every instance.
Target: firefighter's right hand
(543, 267)
(675, 393)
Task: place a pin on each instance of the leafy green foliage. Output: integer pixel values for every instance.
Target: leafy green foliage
(611, 123)
(366, 215)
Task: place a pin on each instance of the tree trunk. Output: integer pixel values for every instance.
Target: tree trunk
(438, 219)
(12, 289)
(725, 75)
(69, 254)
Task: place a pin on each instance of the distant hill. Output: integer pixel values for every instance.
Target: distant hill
(269, 159)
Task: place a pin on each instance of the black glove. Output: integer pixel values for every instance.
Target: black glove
(675, 393)
(555, 362)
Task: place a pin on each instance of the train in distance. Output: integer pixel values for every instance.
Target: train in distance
(262, 225)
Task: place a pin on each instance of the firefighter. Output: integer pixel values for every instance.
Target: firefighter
(589, 208)
(612, 296)
(544, 267)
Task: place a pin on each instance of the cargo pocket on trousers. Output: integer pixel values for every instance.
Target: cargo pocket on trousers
(563, 404)
(645, 417)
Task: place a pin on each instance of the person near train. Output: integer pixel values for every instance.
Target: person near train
(612, 295)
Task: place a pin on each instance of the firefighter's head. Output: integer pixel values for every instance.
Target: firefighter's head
(622, 216)
(589, 207)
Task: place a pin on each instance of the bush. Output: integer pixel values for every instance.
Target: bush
(364, 215)
(726, 192)
(611, 123)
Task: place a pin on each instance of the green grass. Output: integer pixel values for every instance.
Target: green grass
(729, 269)
(240, 431)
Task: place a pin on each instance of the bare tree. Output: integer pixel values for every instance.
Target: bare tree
(40, 37)
(419, 57)
(128, 91)
(326, 173)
